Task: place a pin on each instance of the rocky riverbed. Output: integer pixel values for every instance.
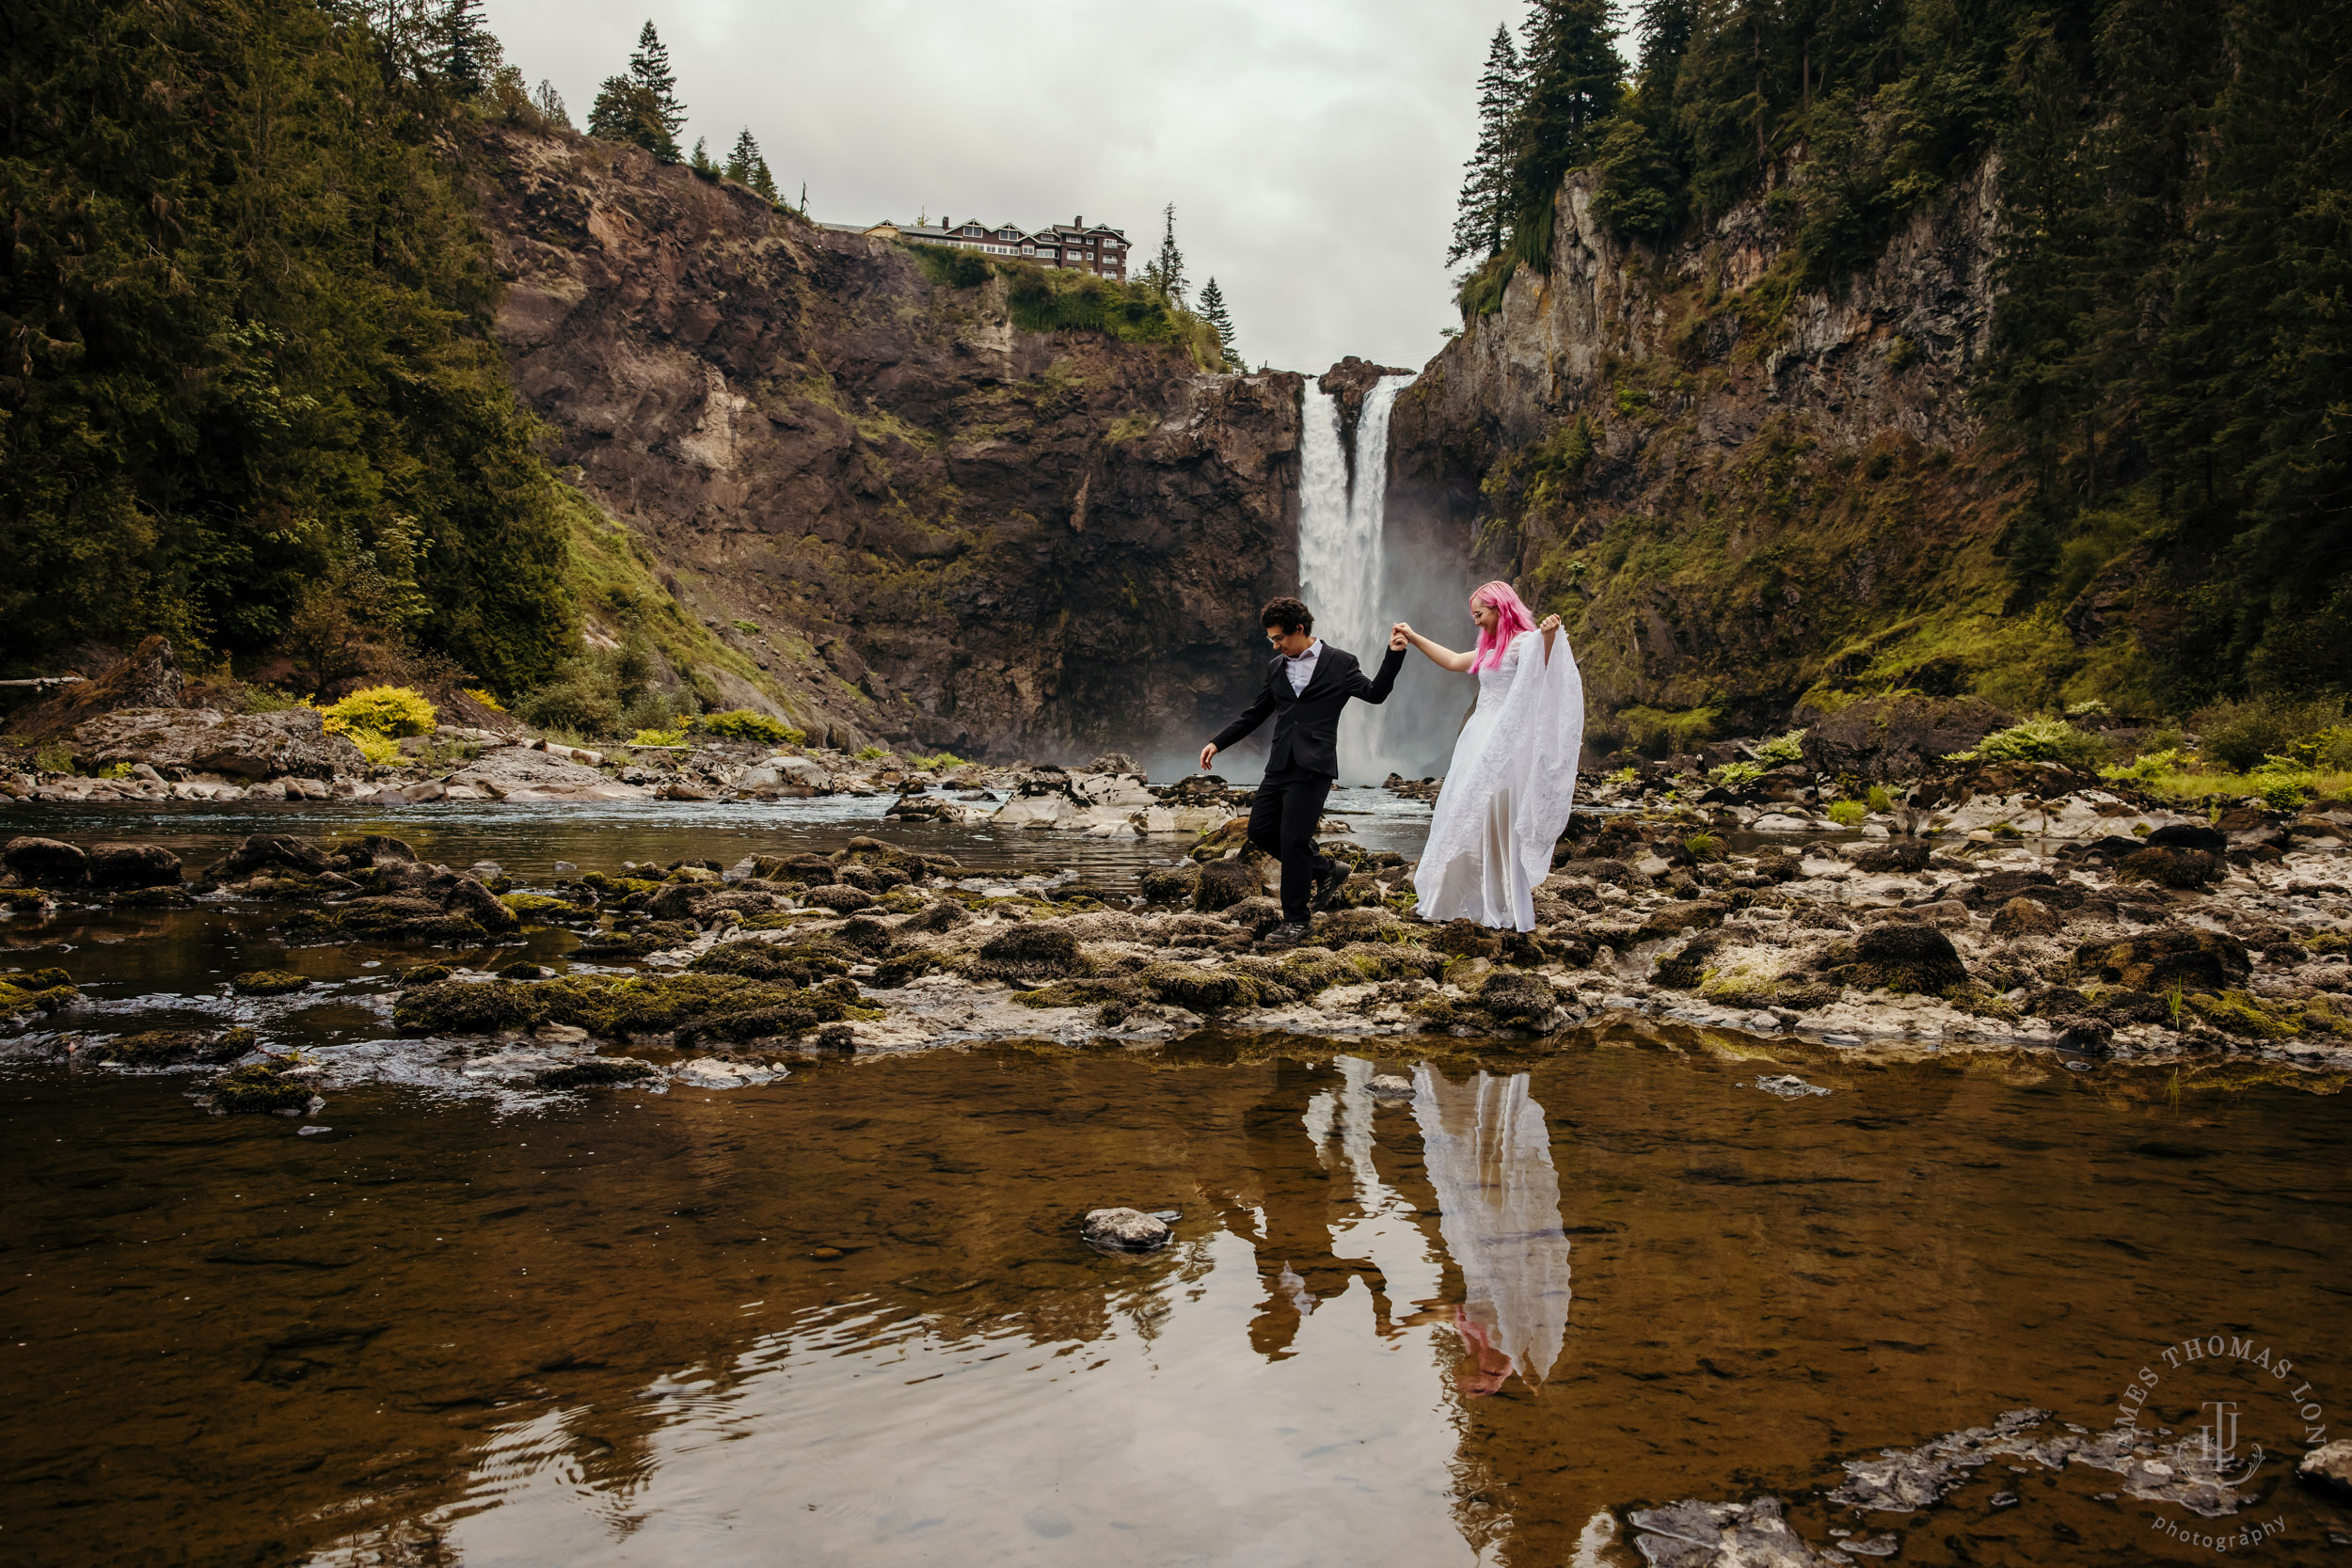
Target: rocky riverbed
(2119, 928)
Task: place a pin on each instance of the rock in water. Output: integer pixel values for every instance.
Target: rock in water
(132, 865)
(1388, 1086)
(2329, 1469)
(1125, 1231)
(45, 861)
(1789, 1087)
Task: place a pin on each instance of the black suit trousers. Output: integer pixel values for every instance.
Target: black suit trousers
(1282, 822)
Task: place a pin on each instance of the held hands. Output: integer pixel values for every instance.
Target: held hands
(1208, 755)
(1399, 637)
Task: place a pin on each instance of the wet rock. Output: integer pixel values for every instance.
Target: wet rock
(1256, 915)
(166, 1047)
(1520, 1000)
(2023, 916)
(132, 866)
(2160, 961)
(2189, 835)
(267, 982)
(1695, 1535)
(1898, 738)
(1686, 968)
(2327, 1469)
(1787, 1086)
(1899, 957)
(1115, 762)
(715, 1072)
(1904, 1480)
(596, 1071)
(270, 852)
(1222, 884)
(466, 898)
(945, 916)
(1467, 939)
(1125, 1231)
(1388, 1086)
(262, 1087)
(45, 861)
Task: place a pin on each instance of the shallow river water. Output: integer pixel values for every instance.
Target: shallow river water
(846, 1318)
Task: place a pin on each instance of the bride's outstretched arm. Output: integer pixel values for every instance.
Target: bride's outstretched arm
(1550, 626)
(1443, 657)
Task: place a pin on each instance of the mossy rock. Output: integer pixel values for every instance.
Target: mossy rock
(533, 906)
(2249, 1017)
(2170, 867)
(1337, 927)
(162, 897)
(20, 1000)
(1233, 834)
(863, 934)
(267, 982)
(610, 1006)
(424, 974)
(1030, 951)
(838, 896)
(26, 900)
(1169, 884)
(1392, 961)
(895, 971)
(1901, 956)
(635, 942)
(1308, 973)
(797, 965)
(522, 968)
(1518, 999)
(596, 1071)
(945, 914)
(1686, 968)
(618, 887)
(260, 1087)
(785, 1019)
(1205, 990)
(1467, 939)
(167, 1047)
(1082, 994)
(2159, 962)
(1678, 919)
(1223, 884)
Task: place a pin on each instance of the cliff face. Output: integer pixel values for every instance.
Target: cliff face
(946, 531)
(1736, 488)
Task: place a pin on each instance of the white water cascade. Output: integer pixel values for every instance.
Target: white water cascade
(1342, 555)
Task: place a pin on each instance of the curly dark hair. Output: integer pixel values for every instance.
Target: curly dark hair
(1287, 614)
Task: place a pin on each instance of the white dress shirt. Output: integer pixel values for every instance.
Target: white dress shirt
(1302, 669)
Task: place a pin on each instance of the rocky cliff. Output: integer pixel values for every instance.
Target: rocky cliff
(920, 522)
(1743, 491)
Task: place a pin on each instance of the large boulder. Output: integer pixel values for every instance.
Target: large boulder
(512, 773)
(1899, 738)
(2157, 961)
(45, 861)
(271, 853)
(1898, 956)
(292, 744)
(131, 865)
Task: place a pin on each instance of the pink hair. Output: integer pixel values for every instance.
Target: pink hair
(1511, 618)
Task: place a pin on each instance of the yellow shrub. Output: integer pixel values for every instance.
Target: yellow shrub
(658, 737)
(484, 696)
(394, 710)
(381, 749)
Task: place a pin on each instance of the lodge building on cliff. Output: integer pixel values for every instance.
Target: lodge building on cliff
(1099, 250)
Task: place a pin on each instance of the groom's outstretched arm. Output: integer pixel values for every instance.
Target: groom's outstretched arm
(1251, 717)
(1376, 688)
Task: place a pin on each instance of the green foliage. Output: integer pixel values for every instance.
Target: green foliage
(2145, 769)
(1737, 775)
(939, 762)
(1877, 799)
(1481, 292)
(251, 354)
(600, 693)
(2240, 734)
(950, 266)
(1848, 814)
(1704, 847)
(870, 754)
(2038, 740)
(394, 710)
(746, 627)
(660, 738)
(1782, 750)
(743, 724)
(642, 108)
(1482, 220)
(1220, 320)
(746, 167)
(381, 749)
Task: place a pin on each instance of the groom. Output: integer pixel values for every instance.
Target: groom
(1307, 684)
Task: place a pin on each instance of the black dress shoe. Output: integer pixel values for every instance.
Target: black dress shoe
(1288, 934)
(1327, 885)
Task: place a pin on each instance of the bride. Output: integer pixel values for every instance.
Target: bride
(1506, 796)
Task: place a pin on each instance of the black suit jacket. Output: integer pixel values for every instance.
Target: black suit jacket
(1306, 723)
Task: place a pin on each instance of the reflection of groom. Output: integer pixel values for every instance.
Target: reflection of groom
(1307, 684)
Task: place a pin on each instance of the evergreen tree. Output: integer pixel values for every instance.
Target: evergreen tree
(1164, 274)
(649, 69)
(469, 50)
(746, 168)
(1573, 80)
(1213, 311)
(550, 103)
(1482, 221)
(699, 160)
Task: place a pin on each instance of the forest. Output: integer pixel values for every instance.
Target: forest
(249, 399)
(2169, 388)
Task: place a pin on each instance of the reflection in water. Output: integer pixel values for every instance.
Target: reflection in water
(1490, 1157)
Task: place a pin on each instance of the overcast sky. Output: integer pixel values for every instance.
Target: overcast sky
(1312, 148)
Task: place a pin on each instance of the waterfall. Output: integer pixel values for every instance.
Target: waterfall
(1340, 553)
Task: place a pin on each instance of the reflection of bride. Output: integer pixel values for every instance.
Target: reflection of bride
(1507, 793)
(1488, 1155)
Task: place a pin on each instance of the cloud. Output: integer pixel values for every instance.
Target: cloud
(1312, 148)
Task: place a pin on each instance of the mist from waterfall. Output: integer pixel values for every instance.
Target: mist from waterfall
(1342, 553)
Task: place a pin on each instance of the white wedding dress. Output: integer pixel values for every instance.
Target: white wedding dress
(1507, 794)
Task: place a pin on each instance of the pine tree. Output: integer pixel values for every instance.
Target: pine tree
(624, 111)
(1483, 221)
(1213, 311)
(550, 103)
(1573, 81)
(469, 50)
(747, 167)
(649, 69)
(1164, 274)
